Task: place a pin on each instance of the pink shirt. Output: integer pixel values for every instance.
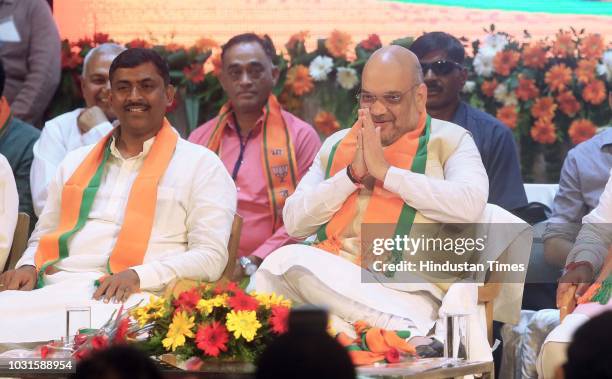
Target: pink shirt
(253, 204)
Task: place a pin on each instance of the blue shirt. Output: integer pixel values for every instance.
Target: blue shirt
(499, 156)
(585, 171)
(17, 139)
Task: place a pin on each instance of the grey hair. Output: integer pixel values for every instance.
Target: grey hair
(105, 48)
(419, 77)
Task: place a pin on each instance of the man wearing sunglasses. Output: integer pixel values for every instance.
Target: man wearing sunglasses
(441, 56)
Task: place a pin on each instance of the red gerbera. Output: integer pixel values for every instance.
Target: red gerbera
(279, 319)
(393, 355)
(122, 330)
(212, 339)
(242, 302)
(187, 300)
(371, 43)
(99, 342)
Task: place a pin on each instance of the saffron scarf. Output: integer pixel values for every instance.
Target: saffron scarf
(277, 152)
(5, 113)
(80, 191)
(384, 207)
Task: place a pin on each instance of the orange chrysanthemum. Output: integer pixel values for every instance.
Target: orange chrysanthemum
(194, 73)
(505, 61)
(564, 45)
(544, 108)
(585, 72)
(534, 55)
(591, 46)
(508, 116)
(217, 64)
(568, 103)
(299, 80)
(543, 131)
(527, 89)
(295, 38)
(594, 92)
(558, 77)
(172, 47)
(581, 130)
(338, 43)
(290, 102)
(205, 44)
(488, 87)
(138, 43)
(326, 123)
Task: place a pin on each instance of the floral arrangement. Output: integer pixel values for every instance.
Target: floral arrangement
(550, 92)
(213, 322)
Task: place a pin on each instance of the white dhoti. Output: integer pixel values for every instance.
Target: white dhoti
(308, 275)
(40, 315)
(554, 350)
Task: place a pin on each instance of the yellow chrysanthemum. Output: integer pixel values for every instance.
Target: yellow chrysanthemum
(179, 329)
(271, 299)
(243, 324)
(219, 300)
(155, 309)
(205, 306)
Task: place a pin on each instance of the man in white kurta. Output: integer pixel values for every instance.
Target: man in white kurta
(452, 189)
(584, 263)
(9, 204)
(77, 128)
(194, 209)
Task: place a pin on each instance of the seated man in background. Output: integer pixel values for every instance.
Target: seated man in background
(397, 166)
(441, 56)
(266, 149)
(583, 177)
(16, 142)
(80, 127)
(9, 201)
(590, 259)
(133, 212)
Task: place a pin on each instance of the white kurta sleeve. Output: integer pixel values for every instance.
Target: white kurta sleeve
(210, 213)
(316, 199)
(460, 197)
(9, 204)
(595, 236)
(96, 133)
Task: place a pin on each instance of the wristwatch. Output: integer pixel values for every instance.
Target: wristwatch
(247, 265)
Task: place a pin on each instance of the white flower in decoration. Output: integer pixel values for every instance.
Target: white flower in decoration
(502, 95)
(320, 67)
(483, 64)
(606, 67)
(347, 77)
(495, 42)
(469, 86)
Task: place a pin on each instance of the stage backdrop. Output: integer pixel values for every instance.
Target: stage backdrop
(185, 21)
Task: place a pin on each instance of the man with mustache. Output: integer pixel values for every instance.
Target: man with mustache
(129, 214)
(77, 128)
(441, 56)
(266, 149)
(398, 169)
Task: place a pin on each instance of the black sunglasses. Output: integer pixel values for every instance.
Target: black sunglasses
(441, 67)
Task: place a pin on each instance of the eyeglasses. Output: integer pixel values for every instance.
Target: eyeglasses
(390, 98)
(255, 72)
(442, 67)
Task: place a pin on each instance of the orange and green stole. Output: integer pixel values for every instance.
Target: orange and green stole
(277, 152)
(80, 191)
(5, 113)
(408, 152)
(601, 290)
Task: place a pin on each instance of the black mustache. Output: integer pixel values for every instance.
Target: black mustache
(146, 106)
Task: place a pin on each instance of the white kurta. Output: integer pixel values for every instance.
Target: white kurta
(60, 136)
(9, 206)
(196, 202)
(311, 275)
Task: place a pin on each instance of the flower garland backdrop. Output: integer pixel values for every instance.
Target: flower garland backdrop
(551, 92)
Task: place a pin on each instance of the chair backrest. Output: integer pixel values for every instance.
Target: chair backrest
(232, 247)
(20, 240)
